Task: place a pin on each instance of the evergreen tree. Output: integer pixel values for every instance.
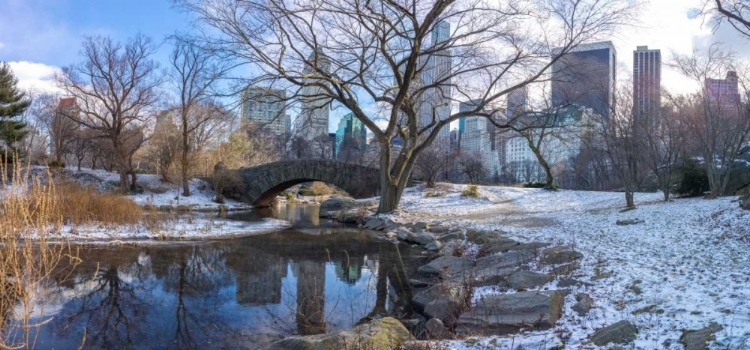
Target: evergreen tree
(12, 104)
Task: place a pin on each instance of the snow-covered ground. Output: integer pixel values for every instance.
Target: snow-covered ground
(161, 193)
(183, 227)
(685, 266)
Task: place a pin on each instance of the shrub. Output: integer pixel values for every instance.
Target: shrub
(535, 185)
(693, 180)
(320, 189)
(432, 194)
(227, 183)
(56, 164)
(471, 191)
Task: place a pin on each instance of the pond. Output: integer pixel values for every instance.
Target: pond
(237, 293)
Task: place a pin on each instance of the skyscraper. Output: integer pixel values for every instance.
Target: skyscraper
(434, 104)
(312, 122)
(265, 107)
(479, 139)
(724, 93)
(351, 138)
(586, 77)
(647, 83)
(518, 101)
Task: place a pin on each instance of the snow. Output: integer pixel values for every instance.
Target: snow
(161, 193)
(690, 259)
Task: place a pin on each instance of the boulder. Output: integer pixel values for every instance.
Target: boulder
(570, 282)
(403, 234)
(559, 255)
(447, 266)
(481, 236)
(422, 238)
(443, 301)
(503, 245)
(375, 224)
(421, 226)
(629, 222)
(449, 236)
(698, 339)
(583, 304)
(507, 313)
(350, 216)
(335, 204)
(436, 328)
(565, 270)
(495, 269)
(384, 334)
(523, 280)
(622, 332)
(433, 246)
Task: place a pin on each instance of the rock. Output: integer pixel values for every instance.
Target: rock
(698, 339)
(403, 234)
(559, 255)
(503, 245)
(495, 269)
(415, 283)
(507, 313)
(434, 246)
(570, 282)
(450, 236)
(446, 266)
(421, 226)
(439, 229)
(622, 332)
(384, 334)
(443, 301)
(436, 328)
(422, 238)
(481, 236)
(583, 305)
(629, 222)
(374, 224)
(350, 216)
(745, 202)
(565, 270)
(523, 280)
(335, 204)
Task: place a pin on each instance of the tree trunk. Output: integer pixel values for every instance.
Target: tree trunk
(184, 160)
(390, 195)
(629, 202)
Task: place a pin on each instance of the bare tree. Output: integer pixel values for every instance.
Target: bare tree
(358, 54)
(61, 125)
(429, 164)
(194, 73)
(470, 165)
(622, 142)
(734, 12)
(115, 85)
(716, 118)
(663, 142)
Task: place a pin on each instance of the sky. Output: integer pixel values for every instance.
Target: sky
(39, 36)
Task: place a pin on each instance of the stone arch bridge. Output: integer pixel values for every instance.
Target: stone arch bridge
(265, 182)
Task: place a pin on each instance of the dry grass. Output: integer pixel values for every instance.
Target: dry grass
(30, 209)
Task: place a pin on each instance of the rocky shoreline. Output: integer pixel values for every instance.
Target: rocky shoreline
(483, 283)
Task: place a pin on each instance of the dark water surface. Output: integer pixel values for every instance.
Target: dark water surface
(236, 293)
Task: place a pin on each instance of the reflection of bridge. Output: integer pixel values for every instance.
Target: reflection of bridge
(265, 182)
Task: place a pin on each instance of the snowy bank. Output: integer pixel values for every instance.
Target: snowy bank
(672, 267)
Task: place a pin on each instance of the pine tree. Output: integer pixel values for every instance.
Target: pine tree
(12, 104)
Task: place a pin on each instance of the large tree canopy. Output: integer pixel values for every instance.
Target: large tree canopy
(401, 65)
(12, 104)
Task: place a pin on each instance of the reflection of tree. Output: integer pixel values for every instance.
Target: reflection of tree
(112, 309)
(311, 280)
(390, 269)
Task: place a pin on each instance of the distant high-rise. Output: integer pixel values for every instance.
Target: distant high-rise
(312, 122)
(351, 138)
(434, 104)
(724, 93)
(586, 77)
(479, 139)
(265, 107)
(647, 82)
(518, 100)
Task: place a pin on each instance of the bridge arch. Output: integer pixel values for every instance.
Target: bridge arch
(265, 182)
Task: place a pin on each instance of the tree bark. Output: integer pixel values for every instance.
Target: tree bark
(629, 202)
(184, 160)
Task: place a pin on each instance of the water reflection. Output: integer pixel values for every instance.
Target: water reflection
(221, 294)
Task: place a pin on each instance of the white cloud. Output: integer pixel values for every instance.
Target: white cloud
(2, 45)
(35, 76)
